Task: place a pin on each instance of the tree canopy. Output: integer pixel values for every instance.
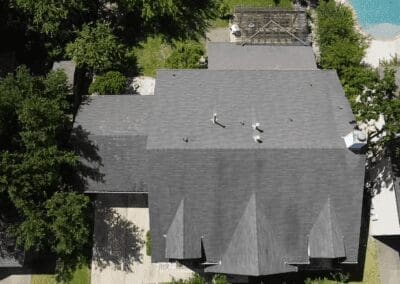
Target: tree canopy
(97, 48)
(90, 28)
(49, 214)
(342, 48)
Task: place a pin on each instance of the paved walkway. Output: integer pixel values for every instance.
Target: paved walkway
(16, 279)
(388, 249)
(218, 35)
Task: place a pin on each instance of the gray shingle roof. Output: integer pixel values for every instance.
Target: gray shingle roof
(304, 109)
(291, 188)
(229, 56)
(115, 125)
(326, 238)
(213, 189)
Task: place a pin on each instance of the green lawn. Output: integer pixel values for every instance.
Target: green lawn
(371, 269)
(81, 276)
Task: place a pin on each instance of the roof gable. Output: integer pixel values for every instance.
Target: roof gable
(326, 237)
(174, 247)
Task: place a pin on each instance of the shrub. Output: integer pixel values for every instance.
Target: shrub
(195, 279)
(185, 55)
(148, 243)
(219, 279)
(111, 83)
(224, 10)
(151, 55)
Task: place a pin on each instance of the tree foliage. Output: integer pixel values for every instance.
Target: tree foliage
(185, 55)
(342, 48)
(340, 44)
(197, 279)
(111, 83)
(49, 214)
(49, 15)
(90, 27)
(97, 48)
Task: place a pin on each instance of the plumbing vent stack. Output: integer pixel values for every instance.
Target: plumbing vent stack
(256, 126)
(257, 138)
(214, 119)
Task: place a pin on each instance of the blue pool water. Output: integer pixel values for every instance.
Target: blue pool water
(379, 18)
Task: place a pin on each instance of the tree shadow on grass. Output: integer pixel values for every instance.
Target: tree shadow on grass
(117, 241)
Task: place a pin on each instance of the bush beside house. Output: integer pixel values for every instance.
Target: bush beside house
(111, 83)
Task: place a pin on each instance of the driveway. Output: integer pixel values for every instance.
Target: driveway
(388, 249)
(119, 254)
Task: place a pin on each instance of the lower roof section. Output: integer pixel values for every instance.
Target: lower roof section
(230, 56)
(275, 196)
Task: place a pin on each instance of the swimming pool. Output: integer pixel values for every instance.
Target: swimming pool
(379, 18)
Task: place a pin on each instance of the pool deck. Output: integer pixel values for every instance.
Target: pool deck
(378, 49)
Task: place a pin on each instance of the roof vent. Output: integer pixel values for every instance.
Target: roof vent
(257, 138)
(214, 120)
(355, 140)
(185, 139)
(256, 126)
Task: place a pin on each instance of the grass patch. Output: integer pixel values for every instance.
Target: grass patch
(81, 276)
(371, 269)
(151, 55)
(220, 23)
(148, 243)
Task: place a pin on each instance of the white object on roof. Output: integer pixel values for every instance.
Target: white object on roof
(257, 138)
(235, 30)
(355, 140)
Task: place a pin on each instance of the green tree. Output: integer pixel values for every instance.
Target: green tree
(335, 22)
(52, 25)
(185, 55)
(97, 48)
(340, 55)
(49, 15)
(49, 215)
(380, 99)
(342, 48)
(111, 83)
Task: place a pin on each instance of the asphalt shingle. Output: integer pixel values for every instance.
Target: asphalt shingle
(230, 56)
